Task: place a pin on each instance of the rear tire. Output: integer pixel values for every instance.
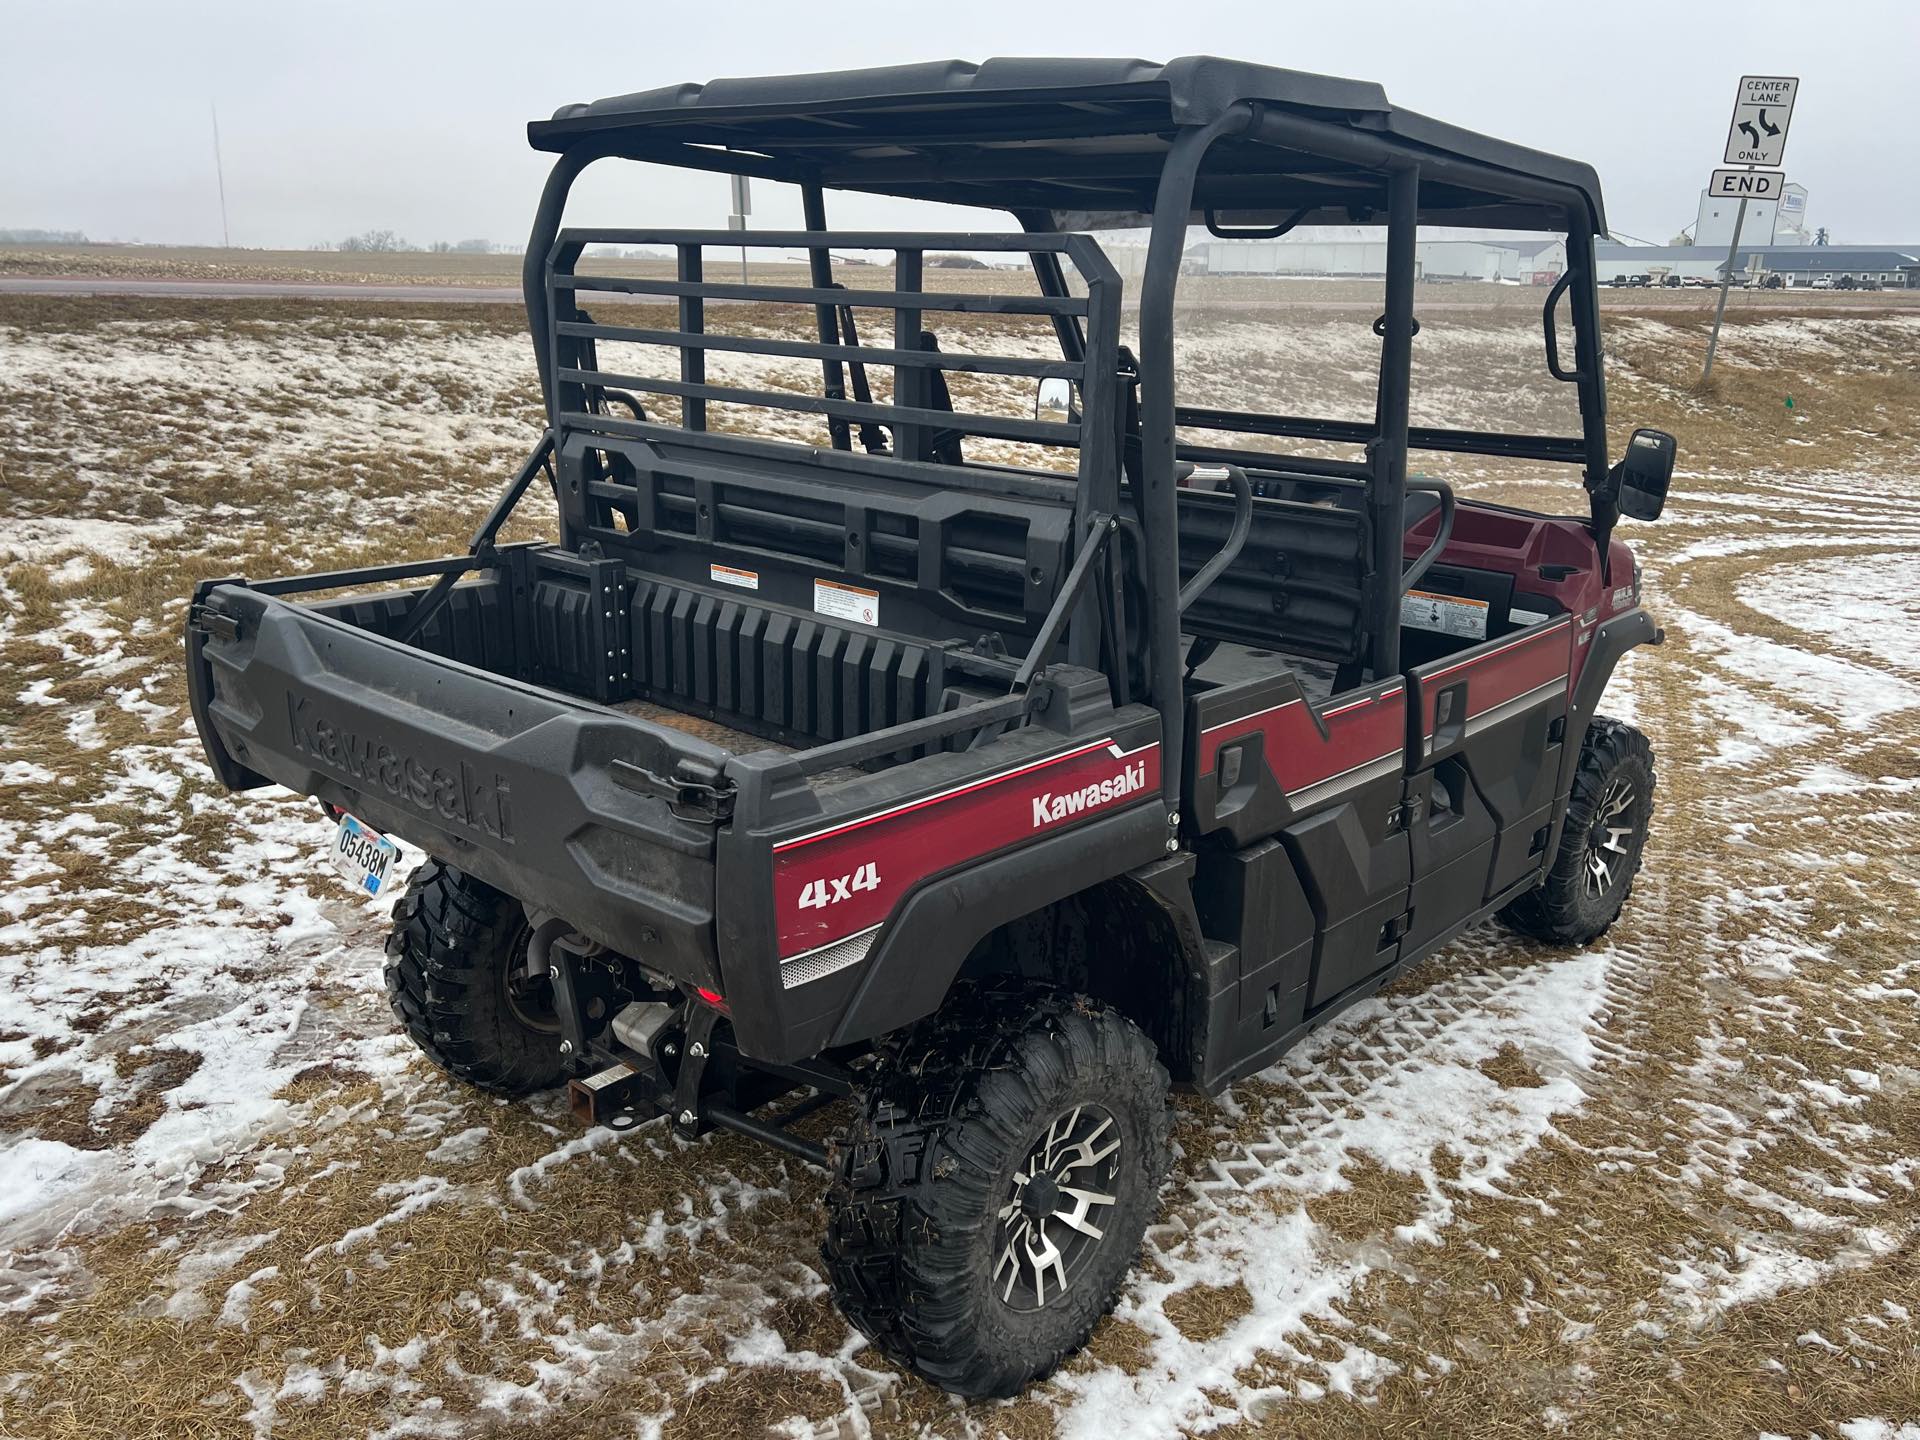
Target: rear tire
(995, 1189)
(1600, 844)
(452, 963)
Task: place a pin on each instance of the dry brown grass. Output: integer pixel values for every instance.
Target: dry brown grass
(1374, 1202)
(1743, 417)
(752, 1401)
(1548, 1292)
(336, 1287)
(1508, 1068)
(1206, 1312)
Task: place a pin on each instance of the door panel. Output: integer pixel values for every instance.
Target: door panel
(1490, 723)
(1326, 780)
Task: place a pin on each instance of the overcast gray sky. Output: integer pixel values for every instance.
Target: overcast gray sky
(340, 117)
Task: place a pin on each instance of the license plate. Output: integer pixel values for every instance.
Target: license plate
(364, 855)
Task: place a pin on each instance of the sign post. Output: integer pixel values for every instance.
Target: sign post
(1756, 136)
(1726, 281)
(742, 207)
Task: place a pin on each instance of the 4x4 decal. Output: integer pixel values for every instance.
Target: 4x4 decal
(819, 894)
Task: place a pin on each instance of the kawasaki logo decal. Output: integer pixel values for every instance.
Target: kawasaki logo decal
(1050, 809)
(455, 792)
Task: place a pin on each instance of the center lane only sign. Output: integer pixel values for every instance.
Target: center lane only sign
(1758, 133)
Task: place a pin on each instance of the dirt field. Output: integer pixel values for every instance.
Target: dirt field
(1664, 1187)
(207, 263)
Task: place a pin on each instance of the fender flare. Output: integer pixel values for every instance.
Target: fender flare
(1613, 638)
(922, 949)
(1610, 640)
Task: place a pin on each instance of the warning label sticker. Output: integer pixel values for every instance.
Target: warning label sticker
(846, 602)
(728, 575)
(1444, 614)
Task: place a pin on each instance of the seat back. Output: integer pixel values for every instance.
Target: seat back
(1298, 584)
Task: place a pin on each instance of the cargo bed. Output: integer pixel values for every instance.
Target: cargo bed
(686, 825)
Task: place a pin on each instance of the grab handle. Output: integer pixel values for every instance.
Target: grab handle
(1236, 537)
(1553, 332)
(1442, 533)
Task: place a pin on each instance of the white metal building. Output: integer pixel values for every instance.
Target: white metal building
(1768, 222)
(1790, 225)
(1521, 259)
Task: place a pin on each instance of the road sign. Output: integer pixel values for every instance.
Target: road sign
(1758, 134)
(1747, 184)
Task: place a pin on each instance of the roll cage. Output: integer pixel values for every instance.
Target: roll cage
(1065, 147)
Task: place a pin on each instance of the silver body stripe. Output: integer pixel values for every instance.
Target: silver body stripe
(1377, 769)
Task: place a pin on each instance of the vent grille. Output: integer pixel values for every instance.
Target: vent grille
(820, 963)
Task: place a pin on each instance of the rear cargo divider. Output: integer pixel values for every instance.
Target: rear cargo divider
(581, 638)
(941, 561)
(795, 678)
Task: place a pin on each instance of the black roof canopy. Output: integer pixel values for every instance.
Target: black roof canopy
(1082, 139)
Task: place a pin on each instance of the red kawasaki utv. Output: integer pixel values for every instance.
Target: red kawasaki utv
(848, 756)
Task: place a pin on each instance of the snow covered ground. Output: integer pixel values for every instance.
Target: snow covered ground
(1663, 1186)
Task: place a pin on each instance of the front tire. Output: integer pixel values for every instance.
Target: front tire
(456, 982)
(995, 1189)
(1601, 842)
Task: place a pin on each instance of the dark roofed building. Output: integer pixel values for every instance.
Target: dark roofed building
(1889, 265)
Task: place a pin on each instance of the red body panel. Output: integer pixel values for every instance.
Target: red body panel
(1358, 732)
(1509, 669)
(853, 874)
(1524, 545)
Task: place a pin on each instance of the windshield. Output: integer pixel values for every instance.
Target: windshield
(1287, 328)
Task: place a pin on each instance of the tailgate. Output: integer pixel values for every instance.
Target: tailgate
(561, 803)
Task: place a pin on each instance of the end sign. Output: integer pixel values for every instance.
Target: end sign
(1747, 184)
(1758, 134)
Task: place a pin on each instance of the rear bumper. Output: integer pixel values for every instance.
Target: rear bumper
(519, 789)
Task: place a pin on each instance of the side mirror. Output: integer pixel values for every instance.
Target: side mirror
(1641, 478)
(1053, 400)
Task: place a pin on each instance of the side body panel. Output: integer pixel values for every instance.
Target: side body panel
(848, 925)
(1426, 808)
(1492, 723)
(1324, 784)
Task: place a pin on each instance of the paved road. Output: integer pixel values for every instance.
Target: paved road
(1470, 299)
(254, 289)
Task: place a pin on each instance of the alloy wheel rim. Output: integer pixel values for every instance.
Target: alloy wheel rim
(1609, 839)
(1056, 1210)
